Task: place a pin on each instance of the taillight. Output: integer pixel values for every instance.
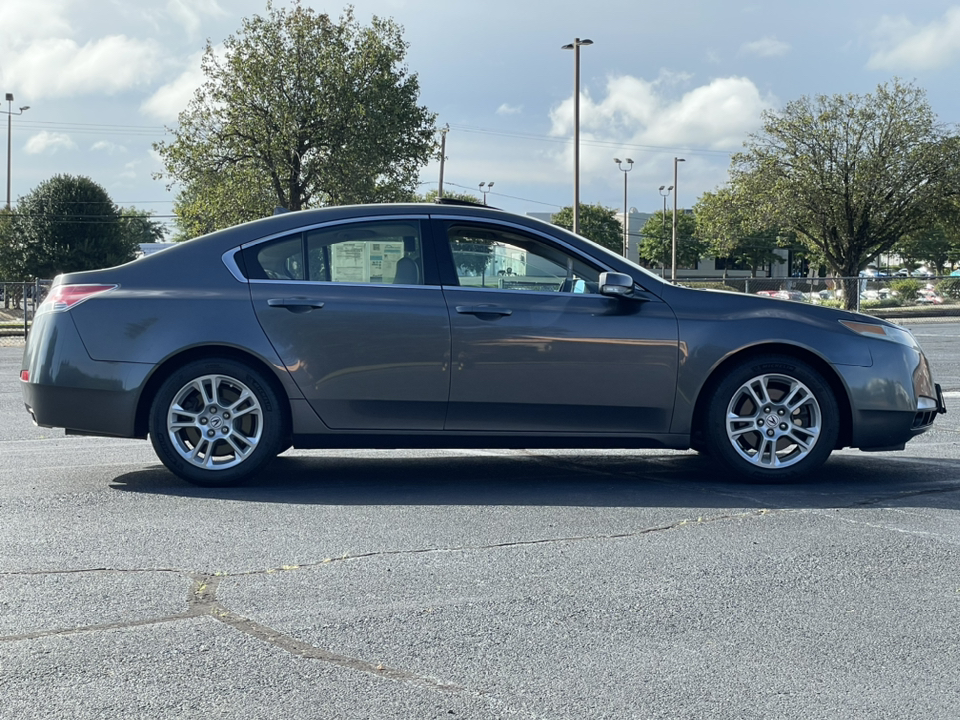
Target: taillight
(25, 375)
(64, 297)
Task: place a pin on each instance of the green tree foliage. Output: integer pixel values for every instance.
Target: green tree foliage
(726, 232)
(141, 227)
(849, 174)
(431, 197)
(65, 224)
(299, 111)
(656, 241)
(597, 223)
(936, 245)
(215, 200)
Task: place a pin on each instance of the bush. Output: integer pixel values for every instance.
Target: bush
(906, 288)
(949, 287)
(709, 286)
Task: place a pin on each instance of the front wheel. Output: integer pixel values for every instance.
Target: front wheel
(216, 422)
(773, 418)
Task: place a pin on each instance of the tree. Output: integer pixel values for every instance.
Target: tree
(597, 223)
(849, 174)
(299, 111)
(215, 200)
(431, 197)
(140, 227)
(725, 231)
(65, 224)
(656, 241)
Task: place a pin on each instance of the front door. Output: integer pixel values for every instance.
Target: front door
(536, 348)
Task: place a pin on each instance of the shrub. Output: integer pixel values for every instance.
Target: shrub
(906, 288)
(949, 287)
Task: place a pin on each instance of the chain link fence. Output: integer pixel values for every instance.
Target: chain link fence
(874, 294)
(18, 305)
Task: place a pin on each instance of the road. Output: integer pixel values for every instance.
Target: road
(476, 584)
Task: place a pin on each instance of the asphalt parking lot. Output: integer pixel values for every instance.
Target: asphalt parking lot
(479, 584)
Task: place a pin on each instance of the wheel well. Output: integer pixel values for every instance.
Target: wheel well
(173, 363)
(819, 364)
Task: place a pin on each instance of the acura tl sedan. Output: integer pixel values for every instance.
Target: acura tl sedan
(454, 326)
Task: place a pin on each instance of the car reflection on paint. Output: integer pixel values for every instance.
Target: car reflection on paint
(452, 326)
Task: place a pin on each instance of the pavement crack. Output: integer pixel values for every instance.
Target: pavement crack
(700, 520)
(202, 601)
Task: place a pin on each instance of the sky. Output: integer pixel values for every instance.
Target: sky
(105, 79)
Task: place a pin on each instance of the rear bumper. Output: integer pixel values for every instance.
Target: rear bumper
(67, 389)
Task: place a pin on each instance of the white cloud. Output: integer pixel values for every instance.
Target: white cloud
(904, 46)
(637, 111)
(45, 142)
(22, 21)
(189, 13)
(765, 47)
(506, 109)
(59, 67)
(651, 123)
(170, 99)
(107, 147)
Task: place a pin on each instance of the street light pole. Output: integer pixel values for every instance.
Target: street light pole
(575, 46)
(673, 262)
(10, 113)
(663, 218)
(489, 188)
(626, 218)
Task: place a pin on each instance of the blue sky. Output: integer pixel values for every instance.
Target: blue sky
(103, 78)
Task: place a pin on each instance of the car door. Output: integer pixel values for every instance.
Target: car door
(356, 315)
(536, 348)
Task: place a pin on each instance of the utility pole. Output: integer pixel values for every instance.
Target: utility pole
(443, 156)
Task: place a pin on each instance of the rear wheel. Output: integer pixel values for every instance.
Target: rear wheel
(216, 422)
(773, 418)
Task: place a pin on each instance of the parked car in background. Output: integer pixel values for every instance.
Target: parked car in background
(929, 296)
(453, 326)
(784, 295)
(920, 272)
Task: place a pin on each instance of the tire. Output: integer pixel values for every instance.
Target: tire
(772, 419)
(216, 422)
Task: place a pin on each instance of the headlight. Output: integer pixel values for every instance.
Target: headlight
(882, 332)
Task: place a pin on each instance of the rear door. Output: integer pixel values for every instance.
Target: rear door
(356, 314)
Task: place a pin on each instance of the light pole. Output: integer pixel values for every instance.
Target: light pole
(626, 218)
(489, 188)
(10, 113)
(575, 46)
(673, 263)
(663, 218)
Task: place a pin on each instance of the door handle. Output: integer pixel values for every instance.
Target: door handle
(296, 304)
(483, 310)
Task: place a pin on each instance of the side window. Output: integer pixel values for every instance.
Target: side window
(368, 252)
(491, 257)
(365, 252)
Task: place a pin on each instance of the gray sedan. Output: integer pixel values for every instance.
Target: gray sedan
(446, 325)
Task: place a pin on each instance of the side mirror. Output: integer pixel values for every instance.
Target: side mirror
(613, 284)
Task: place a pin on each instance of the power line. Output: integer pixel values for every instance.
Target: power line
(592, 142)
